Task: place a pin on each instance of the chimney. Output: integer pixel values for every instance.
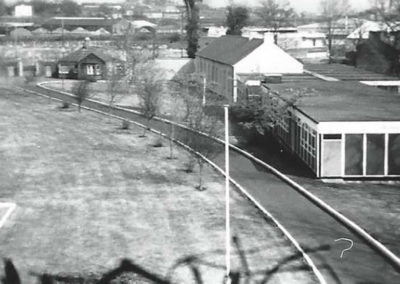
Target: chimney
(269, 37)
(86, 43)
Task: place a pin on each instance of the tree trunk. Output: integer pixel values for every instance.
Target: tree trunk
(171, 141)
(200, 175)
(147, 127)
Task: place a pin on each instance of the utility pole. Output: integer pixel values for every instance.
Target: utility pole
(227, 200)
(62, 31)
(204, 89)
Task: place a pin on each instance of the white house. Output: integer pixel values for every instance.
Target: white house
(226, 58)
(362, 32)
(216, 31)
(23, 10)
(124, 26)
(306, 46)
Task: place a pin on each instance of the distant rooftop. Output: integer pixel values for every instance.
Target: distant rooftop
(79, 21)
(81, 53)
(342, 101)
(229, 49)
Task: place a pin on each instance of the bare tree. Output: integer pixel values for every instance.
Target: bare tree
(114, 83)
(388, 11)
(200, 122)
(81, 92)
(266, 113)
(331, 12)
(148, 84)
(275, 15)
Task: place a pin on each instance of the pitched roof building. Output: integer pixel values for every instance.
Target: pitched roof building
(225, 58)
(86, 63)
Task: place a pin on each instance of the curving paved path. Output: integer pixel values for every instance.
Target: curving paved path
(308, 224)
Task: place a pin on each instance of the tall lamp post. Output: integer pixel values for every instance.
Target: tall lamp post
(204, 89)
(227, 199)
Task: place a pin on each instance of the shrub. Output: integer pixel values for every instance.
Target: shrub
(189, 165)
(29, 78)
(158, 143)
(175, 37)
(64, 105)
(125, 124)
(91, 79)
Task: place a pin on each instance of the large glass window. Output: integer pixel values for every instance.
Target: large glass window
(307, 145)
(394, 154)
(354, 154)
(375, 154)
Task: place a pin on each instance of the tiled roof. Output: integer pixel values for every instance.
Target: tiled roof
(229, 49)
(76, 21)
(81, 53)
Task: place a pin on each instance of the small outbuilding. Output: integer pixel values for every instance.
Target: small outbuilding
(341, 129)
(86, 63)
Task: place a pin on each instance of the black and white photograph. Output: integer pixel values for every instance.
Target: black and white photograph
(199, 141)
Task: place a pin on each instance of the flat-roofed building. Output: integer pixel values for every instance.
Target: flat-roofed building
(341, 129)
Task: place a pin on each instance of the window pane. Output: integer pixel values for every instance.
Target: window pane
(375, 154)
(394, 154)
(354, 154)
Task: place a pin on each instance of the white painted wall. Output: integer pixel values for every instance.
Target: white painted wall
(23, 11)
(269, 58)
(359, 127)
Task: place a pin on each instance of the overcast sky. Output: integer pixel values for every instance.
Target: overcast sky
(299, 5)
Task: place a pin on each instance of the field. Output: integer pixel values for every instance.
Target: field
(124, 98)
(90, 194)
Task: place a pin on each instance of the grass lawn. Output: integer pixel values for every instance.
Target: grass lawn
(89, 194)
(98, 92)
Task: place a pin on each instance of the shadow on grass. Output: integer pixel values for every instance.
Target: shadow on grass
(130, 272)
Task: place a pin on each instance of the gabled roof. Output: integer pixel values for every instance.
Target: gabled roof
(40, 31)
(60, 31)
(371, 26)
(101, 31)
(83, 52)
(229, 49)
(80, 30)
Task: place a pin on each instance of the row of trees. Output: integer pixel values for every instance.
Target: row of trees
(144, 80)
